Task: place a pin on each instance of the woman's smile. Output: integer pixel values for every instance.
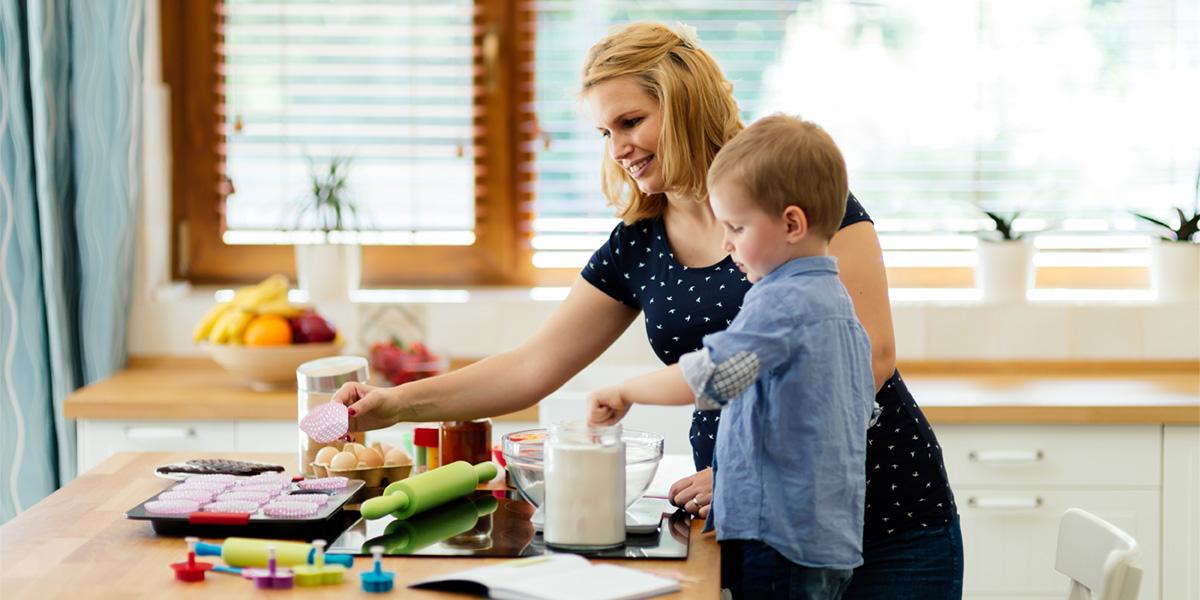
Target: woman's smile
(636, 169)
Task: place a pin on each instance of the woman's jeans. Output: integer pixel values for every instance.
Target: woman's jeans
(751, 569)
(918, 564)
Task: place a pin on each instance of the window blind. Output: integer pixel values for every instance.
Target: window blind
(1073, 112)
(389, 84)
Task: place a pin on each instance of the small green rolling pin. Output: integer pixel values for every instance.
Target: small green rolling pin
(420, 493)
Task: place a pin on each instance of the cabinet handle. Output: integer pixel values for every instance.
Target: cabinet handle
(160, 433)
(1005, 502)
(1005, 456)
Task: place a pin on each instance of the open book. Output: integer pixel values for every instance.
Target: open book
(552, 577)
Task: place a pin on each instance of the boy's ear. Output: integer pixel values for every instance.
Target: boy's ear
(796, 223)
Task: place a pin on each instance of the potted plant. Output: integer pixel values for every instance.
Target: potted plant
(1004, 261)
(1175, 257)
(329, 267)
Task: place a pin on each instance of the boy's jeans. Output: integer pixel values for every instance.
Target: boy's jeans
(751, 569)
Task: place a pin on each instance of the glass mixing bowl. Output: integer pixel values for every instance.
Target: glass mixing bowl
(523, 458)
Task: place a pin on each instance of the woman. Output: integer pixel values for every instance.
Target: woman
(664, 109)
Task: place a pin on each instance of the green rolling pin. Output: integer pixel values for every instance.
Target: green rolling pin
(420, 493)
(431, 527)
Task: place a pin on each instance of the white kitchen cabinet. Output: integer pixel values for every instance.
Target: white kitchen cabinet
(1181, 512)
(1013, 483)
(97, 439)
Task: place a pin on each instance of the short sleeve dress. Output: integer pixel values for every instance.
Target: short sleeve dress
(907, 486)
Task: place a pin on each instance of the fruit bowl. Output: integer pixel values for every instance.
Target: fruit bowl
(269, 367)
(523, 458)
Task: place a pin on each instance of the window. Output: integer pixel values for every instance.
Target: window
(429, 99)
(1072, 112)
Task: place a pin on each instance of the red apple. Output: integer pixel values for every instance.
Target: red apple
(311, 328)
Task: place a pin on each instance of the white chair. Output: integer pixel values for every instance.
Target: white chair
(1098, 557)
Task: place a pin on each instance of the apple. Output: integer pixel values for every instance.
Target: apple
(311, 328)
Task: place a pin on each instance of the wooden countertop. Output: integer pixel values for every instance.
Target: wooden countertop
(78, 543)
(950, 392)
(192, 388)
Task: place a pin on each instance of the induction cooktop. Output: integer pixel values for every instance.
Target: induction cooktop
(497, 524)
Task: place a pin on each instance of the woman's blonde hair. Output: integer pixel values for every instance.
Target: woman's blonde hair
(699, 113)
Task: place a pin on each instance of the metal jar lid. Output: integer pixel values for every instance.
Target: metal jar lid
(328, 374)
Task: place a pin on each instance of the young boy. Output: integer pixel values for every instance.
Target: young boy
(792, 372)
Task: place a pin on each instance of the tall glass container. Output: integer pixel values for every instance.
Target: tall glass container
(585, 487)
(316, 382)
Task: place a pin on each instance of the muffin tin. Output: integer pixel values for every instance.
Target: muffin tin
(232, 512)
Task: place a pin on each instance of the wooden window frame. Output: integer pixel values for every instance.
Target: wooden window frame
(503, 82)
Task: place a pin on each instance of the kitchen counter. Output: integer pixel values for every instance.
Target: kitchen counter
(1112, 392)
(78, 543)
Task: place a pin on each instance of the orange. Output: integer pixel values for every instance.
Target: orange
(267, 330)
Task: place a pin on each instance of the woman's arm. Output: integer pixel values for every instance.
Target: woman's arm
(860, 265)
(586, 323)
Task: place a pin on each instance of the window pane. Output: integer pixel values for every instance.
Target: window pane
(387, 83)
(1072, 111)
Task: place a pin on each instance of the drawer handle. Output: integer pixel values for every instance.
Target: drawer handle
(160, 433)
(1005, 456)
(1005, 502)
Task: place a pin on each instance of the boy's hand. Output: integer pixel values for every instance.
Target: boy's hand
(606, 406)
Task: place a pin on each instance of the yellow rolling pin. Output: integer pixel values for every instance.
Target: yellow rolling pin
(427, 490)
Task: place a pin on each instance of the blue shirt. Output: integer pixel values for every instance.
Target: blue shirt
(792, 374)
(907, 487)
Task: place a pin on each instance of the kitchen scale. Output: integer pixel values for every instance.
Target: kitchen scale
(500, 524)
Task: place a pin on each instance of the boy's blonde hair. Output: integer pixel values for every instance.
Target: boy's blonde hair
(699, 113)
(783, 161)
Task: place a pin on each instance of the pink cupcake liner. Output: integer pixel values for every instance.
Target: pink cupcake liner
(316, 499)
(290, 509)
(210, 486)
(193, 495)
(258, 498)
(323, 483)
(172, 507)
(326, 423)
(232, 506)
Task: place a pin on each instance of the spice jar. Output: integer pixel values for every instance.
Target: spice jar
(585, 487)
(425, 442)
(316, 382)
(466, 440)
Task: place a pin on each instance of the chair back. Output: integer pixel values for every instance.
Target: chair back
(1098, 557)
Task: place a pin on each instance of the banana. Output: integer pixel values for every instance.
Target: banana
(228, 329)
(280, 307)
(238, 327)
(225, 322)
(269, 290)
(205, 326)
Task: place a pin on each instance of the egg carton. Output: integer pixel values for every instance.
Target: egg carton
(372, 477)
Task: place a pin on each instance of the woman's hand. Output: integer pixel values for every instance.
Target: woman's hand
(606, 406)
(370, 407)
(693, 493)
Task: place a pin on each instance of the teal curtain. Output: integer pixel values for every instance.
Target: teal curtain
(70, 184)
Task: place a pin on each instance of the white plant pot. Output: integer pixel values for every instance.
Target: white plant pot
(1004, 270)
(1175, 270)
(328, 272)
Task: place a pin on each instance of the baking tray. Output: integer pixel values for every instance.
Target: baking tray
(329, 521)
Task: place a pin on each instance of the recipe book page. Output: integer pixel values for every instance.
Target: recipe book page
(553, 577)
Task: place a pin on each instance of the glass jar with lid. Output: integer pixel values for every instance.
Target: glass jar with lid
(316, 382)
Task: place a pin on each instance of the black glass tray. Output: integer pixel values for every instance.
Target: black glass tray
(495, 525)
